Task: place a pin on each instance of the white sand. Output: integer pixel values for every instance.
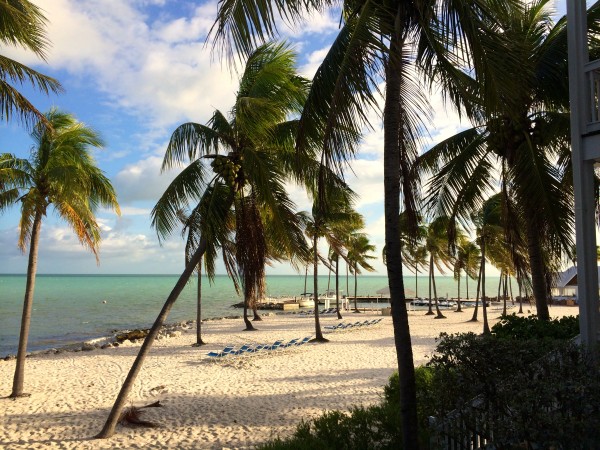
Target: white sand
(235, 403)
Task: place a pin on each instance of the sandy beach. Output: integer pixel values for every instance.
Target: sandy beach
(237, 402)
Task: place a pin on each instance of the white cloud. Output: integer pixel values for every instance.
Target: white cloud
(161, 71)
(142, 180)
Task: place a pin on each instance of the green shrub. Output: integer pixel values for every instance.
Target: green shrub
(531, 327)
(534, 391)
(375, 427)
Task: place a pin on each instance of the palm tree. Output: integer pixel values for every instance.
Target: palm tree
(193, 227)
(462, 262)
(60, 172)
(470, 255)
(375, 38)
(23, 25)
(252, 157)
(488, 222)
(522, 136)
(329, 224)
(437, 245)
(358, 257)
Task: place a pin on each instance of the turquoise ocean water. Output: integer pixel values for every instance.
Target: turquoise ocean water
(70, 308)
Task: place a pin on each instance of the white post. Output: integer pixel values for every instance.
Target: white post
(583, 173)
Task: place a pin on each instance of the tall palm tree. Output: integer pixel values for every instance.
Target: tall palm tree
(522, 135)
(23, 25)
(359, 248)
(252, 157)
(375, 38)
(62, 173)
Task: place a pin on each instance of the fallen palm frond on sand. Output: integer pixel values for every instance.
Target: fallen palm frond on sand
(132, 416)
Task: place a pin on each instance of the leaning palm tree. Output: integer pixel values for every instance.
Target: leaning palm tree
(62, 173)
(22, 25)
(359, 248)
(252, 157)
(521, 137)
(376, 38)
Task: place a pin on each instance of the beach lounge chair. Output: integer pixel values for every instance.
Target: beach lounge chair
(334, 327)
(226, 351)
(246, 348)
(274, 346)
(303, 341)
(290, 343)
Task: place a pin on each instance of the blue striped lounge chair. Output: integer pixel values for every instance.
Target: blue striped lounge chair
(303, 341)
(226, 351)
(274, 346)
(290, 343)
(246, 348)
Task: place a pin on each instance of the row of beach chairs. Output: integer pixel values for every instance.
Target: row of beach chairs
(324, 312)
(345, 326)
(246, 349)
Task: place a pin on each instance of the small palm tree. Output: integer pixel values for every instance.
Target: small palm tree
(62, 173)
(22, 25)
(437, 245)
(359, 248)
(488, 222)
(471, 256)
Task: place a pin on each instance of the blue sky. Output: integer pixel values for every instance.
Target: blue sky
(134, 70)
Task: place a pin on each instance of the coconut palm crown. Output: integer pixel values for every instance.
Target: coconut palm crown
(22, 25)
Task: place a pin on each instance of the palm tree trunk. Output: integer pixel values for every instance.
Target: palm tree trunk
(337, 287)
(256, 316)
(199, 340)
(416, 282)
(476, 310)
(318, 333)
(504, 293)
(486, 326)
(519, 282)
(109, 427)
(439, 314)
(459, 309)
(391, 180)
(355, 290)
(500, 284)
(249, 326)
(538, 273)
(19, 378)
(305, 277)
(430, 311)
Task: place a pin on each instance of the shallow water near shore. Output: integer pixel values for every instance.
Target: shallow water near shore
(73, 308)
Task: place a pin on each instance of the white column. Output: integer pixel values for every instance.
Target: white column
(583, 174)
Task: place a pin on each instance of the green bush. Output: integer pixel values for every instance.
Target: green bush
(375, 427)
(531, 327)
(537, 392)
(531, 386)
